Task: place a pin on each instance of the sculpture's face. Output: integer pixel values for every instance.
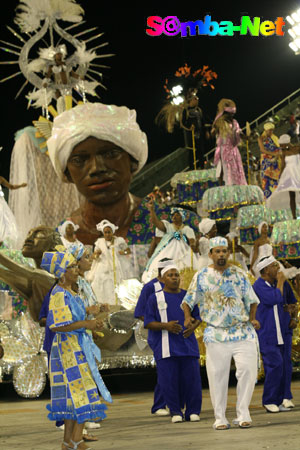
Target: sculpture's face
(38, 241)
(101, 170)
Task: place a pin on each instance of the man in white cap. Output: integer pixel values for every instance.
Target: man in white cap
(228, 305)
(175, 349)
(155, 285)
(277, 316)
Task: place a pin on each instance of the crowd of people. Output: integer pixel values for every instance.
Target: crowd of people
(99, 148)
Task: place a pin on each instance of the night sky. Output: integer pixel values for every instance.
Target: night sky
(256, 72)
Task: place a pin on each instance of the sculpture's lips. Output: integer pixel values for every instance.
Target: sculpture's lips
(98, 185)
(27, 244)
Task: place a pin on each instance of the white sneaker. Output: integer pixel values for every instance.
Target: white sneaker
(194, 418)
(288, 403)
(61, 428)
(92, 425)
(283, 408)
(271, 408)
(177, 419)
(162, 412)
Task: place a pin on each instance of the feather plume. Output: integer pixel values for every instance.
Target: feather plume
(30, 13)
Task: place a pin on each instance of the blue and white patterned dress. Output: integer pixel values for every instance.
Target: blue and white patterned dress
(74, 376)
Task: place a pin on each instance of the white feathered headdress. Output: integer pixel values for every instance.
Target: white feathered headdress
(32, 12)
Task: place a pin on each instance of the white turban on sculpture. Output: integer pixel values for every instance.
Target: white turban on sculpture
(116, 124)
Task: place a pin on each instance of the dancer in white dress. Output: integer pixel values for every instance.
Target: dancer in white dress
(263, 248)
(177, 242)
(238, 253)
(112, 264)
(288, 189)
(208, 228)
(8, 226)
(67, 233)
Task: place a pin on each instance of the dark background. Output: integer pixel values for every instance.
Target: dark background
(256, 72)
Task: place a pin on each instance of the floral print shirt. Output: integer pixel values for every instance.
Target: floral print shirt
(224, 301)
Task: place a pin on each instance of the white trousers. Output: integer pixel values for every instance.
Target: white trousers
(218, 360)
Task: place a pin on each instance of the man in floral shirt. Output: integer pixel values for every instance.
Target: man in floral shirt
(228, 305)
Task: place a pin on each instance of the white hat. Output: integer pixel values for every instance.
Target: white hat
(106, 223)
(206, 225)
(218, 241)
(264, 262)
(285, 139)
(171, 266)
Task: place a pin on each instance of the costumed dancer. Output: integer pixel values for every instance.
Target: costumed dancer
(227, 157)
(8, 226)
(153, 286)
(289, 182)
(74, 376)
(175, 350)
(262, 248)
(177, 242)
(67, 233)
(228, 305)
(208, 228)
(277, 301)
(183, 106)
(238, 252)
(270, 159)
(112, 264)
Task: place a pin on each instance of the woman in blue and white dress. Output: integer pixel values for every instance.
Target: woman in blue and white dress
(177, 242)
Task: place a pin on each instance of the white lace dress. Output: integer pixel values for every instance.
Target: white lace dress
(289, 181)
(109, 269)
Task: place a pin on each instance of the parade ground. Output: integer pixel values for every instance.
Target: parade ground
(129, 424)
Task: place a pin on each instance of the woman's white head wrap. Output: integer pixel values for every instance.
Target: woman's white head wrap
(269, 126)
(285, 139)
(206, 225)
(106, 223)
(116, 124)
(162, 264)
(260, 226)
(169, 267)
(62, 228)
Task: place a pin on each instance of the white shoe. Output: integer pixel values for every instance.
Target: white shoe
(162, 412)
(92, 425)
(61, 428)
(194, 418)
(288, 403)
(177, 419)
(283, 408)
(271, 408)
